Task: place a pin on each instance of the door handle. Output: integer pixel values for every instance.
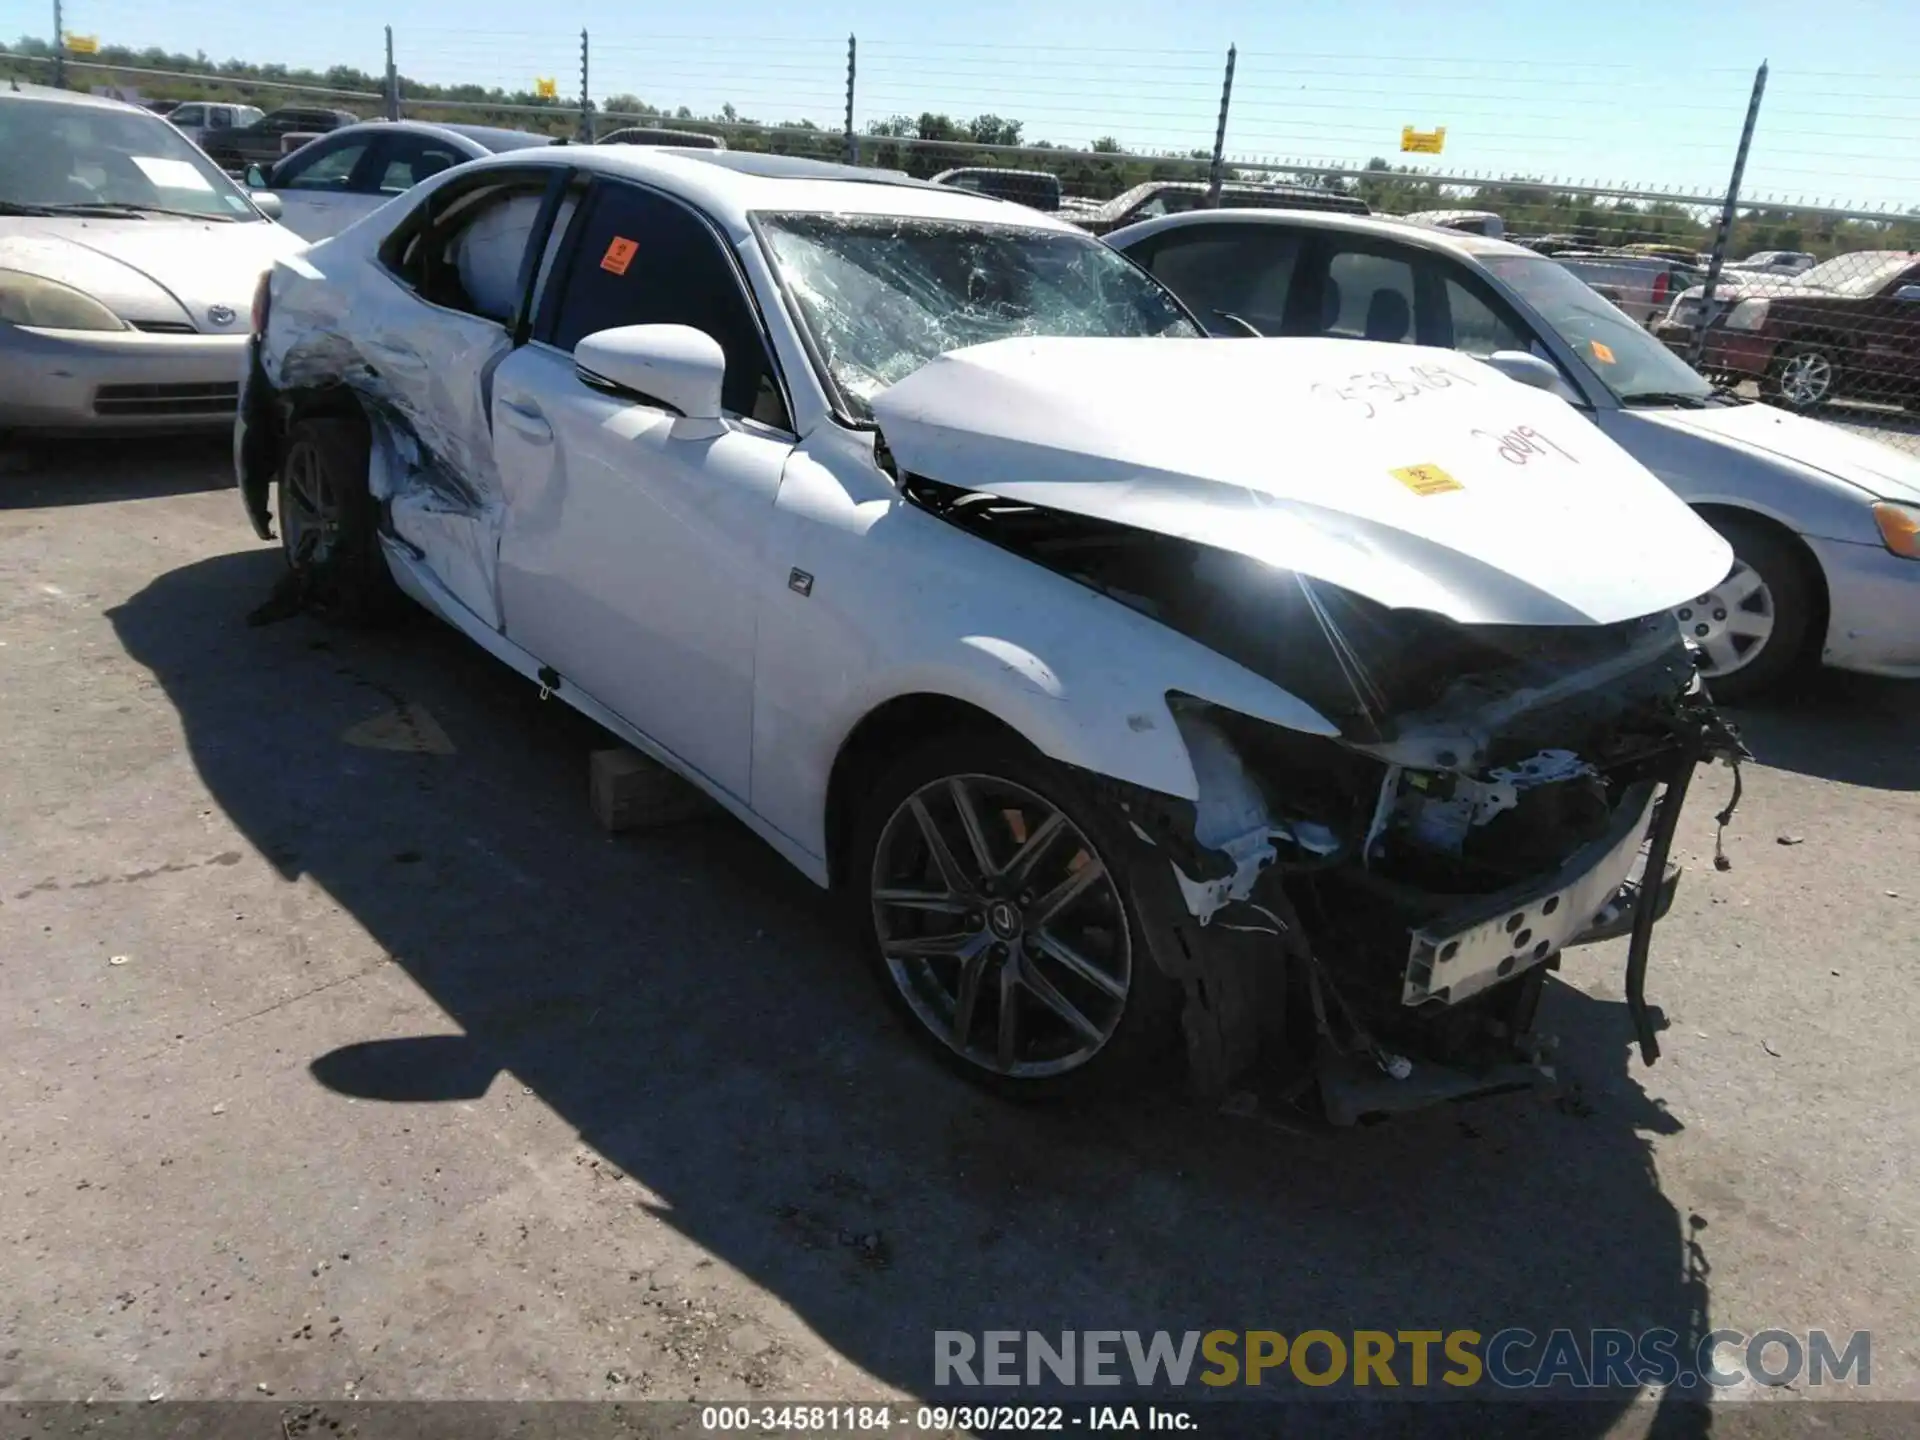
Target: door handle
(526, 420)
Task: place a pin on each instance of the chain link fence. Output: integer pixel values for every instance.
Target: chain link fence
(1810, 303)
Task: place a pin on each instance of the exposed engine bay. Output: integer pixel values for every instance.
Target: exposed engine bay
(1388, 902)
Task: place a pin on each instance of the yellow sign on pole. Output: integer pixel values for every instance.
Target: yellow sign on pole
(1422, 142)
(546, 89)
(83, 44)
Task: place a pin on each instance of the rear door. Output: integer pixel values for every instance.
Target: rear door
(1356, 287)
(460, 266)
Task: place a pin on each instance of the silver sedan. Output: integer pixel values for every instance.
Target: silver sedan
(1825, 525)
(128, 263)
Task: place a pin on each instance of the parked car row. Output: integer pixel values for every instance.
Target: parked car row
(1847, 328)
(1105, 668)
(264, 140)
(329, 183)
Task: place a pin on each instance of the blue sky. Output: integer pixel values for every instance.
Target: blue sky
(1630, 91)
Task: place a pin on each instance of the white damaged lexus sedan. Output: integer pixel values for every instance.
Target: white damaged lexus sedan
(1149, 701)
(127, 261)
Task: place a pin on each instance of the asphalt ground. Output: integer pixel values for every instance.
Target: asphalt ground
(345, 1058)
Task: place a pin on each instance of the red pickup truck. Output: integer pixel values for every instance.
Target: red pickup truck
(1849, 328)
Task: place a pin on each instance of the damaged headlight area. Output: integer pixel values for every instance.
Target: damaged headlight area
(1390, 899)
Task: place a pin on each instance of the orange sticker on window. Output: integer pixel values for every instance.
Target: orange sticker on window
(1426, 479)
(1601, 352)
(620, 253)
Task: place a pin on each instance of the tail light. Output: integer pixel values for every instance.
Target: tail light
(262, 296)
(1662, 283)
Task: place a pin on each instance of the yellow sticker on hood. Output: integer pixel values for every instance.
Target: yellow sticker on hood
(1426, 479)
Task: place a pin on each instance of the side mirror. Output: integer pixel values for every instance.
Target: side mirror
(1907, 292)
(1528, 370)
(256, 178)
(268, 204)
(674, 367)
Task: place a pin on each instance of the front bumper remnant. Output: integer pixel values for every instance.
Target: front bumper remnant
(1500, 935)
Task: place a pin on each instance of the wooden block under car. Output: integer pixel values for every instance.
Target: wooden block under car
(631, 792)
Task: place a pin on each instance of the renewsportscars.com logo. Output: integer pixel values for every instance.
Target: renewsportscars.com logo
(1511, 1359)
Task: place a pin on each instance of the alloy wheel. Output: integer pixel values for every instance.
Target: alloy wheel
(310, 518)
(1001, 926)
(1806, 379)
(1732, 623)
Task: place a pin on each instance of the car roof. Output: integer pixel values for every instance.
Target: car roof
(996, 170)
(476, 140)
(1386, 227)
(71, 97)
(494, 137)
(731, 185)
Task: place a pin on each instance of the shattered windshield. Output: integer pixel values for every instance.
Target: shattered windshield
(883, 295)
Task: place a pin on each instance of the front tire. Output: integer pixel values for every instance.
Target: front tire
(996, 913)
(329, 523)
(1804, 376)
(1754, 627)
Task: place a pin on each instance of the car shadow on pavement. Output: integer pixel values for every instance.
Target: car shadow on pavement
(41, 473)
(1856, 729)
(690, 1006)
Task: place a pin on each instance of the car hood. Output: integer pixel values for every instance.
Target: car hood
(1416, 477)
(1880, 470)
(156, 270)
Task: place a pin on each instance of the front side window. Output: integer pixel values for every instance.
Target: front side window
(329, 167)
(882, 295)
(1625, 358)
(95, 159)
(642, 259)
(1478, 328)
(409, 159)
(189, 115)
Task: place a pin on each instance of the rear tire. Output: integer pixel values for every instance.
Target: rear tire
(959, 946)
(329, 523)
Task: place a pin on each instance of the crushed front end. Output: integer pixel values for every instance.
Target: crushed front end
(1512, 792)
(1385, 903)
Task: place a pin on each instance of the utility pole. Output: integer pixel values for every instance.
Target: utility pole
(59, 49)
(586, 100)
(393, 81)
(1725, 233)
(853, 141)
(1218, 170)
